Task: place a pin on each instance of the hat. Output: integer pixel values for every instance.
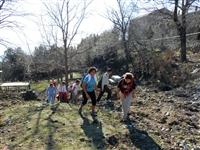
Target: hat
(128, 76)
(109, 70)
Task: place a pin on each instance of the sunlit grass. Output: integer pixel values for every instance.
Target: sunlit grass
(40, 86)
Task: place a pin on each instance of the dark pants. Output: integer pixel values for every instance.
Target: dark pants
(92, 96)
(107, 90)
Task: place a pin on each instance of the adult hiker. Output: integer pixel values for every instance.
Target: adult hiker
(54, 82)
(51, 92)
(62, 92)
(126, 90)
(90, 89)
(104, 86)
(73, 89)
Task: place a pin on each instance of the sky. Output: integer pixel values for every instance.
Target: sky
(30, 37)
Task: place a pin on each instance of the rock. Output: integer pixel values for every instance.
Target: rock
(30, 95)
(167, 114)
(82, 139)
(9, 130)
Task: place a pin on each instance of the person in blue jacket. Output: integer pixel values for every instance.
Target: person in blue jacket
(90, 89)
(51, 92)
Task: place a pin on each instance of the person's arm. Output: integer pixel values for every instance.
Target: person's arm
(103, 82)
(54, 91)
(47, 91)
(134, 90)
(96, 89)
(84, 89)
(118, 89)
(133, 93)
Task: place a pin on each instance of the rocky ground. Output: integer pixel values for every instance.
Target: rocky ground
(158, 120)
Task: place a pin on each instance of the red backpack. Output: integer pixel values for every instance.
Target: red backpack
(131, 86)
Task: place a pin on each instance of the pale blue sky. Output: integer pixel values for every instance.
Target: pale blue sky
(31, 36)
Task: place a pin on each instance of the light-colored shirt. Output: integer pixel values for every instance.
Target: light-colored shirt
(105, 80)
(75, 88)
(62, 88)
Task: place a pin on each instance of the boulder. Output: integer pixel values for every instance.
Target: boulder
(30, 95)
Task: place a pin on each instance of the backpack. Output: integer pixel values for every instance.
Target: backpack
(70, 88)
(81, 84)
(100, 81)
(131, 85)
(87, 81)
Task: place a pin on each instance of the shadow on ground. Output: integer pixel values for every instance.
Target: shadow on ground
(93, 130)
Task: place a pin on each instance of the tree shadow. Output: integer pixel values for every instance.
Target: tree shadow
(93, 130)
(141, 139)
(51, 142)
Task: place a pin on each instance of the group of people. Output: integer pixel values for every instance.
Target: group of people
(62, 92)
(126, 90)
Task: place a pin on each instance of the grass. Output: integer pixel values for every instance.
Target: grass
(40, 86)
(37, 126)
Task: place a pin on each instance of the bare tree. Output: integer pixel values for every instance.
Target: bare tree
(9, 15)
(121, 16)
(180, 10)
(67, 15)
(184, 6)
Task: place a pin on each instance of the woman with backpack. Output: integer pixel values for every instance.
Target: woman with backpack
(126, 92)
(90, 90)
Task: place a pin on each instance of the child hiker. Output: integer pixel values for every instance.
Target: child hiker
(62, 92)
(126, 92)
(89, 87)
(73, 89)
(51, 92)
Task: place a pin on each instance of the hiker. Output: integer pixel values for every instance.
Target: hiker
(51, 92)
(89, 86)
(104, 86)
(62, 92)
(54, 82)
(126, 92)
(73, 89)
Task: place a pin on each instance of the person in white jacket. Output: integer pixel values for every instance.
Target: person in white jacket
(73, 89)
(62, 92)
(104, 86)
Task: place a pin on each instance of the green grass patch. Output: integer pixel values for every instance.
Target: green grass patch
(40, 86)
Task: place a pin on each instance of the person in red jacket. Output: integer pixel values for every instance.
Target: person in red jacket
(54, 82)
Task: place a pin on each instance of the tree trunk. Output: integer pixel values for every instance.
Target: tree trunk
(126, 51)
(183, 43)
(183, 33)
(66, 62)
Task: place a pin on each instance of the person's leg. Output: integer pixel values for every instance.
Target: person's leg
(127, 105)
(72, 97)
(123, 102)
(100, 95)
(93, 99)
(108, 91)
(83, 102)
(75, 99)
(60, 96)
(65, 96)
(50, 99)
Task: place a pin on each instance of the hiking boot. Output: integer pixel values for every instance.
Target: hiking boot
(93, 113)
(80, 110)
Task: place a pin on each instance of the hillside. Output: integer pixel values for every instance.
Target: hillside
(158, 120)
